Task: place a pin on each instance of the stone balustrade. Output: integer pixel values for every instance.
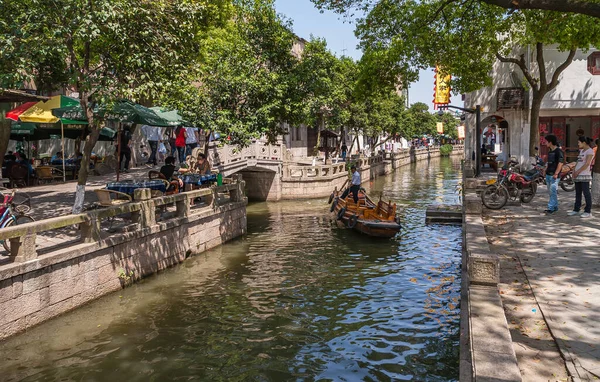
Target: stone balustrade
(231, 154)
(142, 214)
(43, 282)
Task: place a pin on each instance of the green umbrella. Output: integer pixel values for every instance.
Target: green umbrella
(22, 128)
(171, 116)
(123, 111)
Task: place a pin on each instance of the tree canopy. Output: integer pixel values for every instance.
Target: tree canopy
(102, 49)
(466, 38)
(584, 7)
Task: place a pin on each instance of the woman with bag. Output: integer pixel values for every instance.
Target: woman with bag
(181, 136)
(582, 177)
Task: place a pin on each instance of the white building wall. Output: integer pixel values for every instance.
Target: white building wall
(578, 90)
(578, 94)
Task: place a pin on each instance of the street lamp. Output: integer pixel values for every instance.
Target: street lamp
(477, 112)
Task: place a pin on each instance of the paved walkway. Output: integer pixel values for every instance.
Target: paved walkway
(561, 259)
(56, 199)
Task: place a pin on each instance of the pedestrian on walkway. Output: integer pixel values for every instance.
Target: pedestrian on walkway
(181, 136)
(153, 135)
(555, 164)
(124, 148)
(191, 140)
(582, 177)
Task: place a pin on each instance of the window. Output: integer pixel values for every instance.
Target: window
(594, 63)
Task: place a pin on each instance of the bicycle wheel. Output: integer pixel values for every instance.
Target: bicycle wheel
(567, 183)
(494, 197)
(20, 219)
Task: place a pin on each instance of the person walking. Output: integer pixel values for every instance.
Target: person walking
(191, 140)
(344, 149)
(153, 136)
(555, 164)
(181, 136)
(582, 177)
(124, 139)
(354, 185)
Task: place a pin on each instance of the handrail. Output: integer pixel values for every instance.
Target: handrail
(22, 237)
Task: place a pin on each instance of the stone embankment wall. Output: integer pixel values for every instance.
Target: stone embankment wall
(42, 283)
(487, 352)
(318, 181)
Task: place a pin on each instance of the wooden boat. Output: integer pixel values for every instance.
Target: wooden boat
(377, 219)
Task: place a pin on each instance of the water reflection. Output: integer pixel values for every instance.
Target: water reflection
(297, 299)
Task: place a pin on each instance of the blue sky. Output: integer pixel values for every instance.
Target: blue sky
(340, 38)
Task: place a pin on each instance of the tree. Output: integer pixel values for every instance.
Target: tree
(240, 83)
(450, 124)
(424, 121)
(110, 49)
(450, 34)
(584, 7)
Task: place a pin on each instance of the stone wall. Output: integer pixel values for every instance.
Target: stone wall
(319, 181)
(36, 290)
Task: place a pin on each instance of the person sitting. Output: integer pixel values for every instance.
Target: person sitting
(9, 160)
(202, 167)
(24, 161)
(169, 168)
(57, 158)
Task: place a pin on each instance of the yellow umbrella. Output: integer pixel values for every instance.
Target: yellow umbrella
(41, 112)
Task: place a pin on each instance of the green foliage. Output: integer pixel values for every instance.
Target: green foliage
(450, 124)
(446, 150)
(466, 38)
(240, 82)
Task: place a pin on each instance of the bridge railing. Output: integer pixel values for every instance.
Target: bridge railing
(231, 154)
(96, 227)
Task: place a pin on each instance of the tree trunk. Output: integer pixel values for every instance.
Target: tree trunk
(88, 147)
(4, 137)
(534, 121)
(316, 149)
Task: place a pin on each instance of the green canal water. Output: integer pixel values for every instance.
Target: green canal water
(297, 299)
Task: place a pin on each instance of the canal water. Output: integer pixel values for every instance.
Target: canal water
(297, 299)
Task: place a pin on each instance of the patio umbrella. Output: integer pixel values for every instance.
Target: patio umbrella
(41, 112)
(16, 112)
(123, 111)
(171, 116)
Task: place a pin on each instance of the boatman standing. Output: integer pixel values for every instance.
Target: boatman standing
(355, 185)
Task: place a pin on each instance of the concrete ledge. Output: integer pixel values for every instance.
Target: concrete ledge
(486, 345)
(494, 358)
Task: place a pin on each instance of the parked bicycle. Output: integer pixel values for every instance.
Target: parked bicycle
(13, 213)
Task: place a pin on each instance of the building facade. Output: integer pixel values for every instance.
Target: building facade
(572, 108)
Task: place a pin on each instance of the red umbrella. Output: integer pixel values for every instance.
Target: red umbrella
(16, 112)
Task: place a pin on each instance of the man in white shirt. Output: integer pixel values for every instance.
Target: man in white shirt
(354, 185)
(154, 135)
(191, 140)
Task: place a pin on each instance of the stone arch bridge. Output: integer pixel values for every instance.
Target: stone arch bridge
(260, 165)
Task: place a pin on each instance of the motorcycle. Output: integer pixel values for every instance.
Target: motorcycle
(511, 184)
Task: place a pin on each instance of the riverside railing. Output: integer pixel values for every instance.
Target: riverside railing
(231, 154)
(145, 213)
